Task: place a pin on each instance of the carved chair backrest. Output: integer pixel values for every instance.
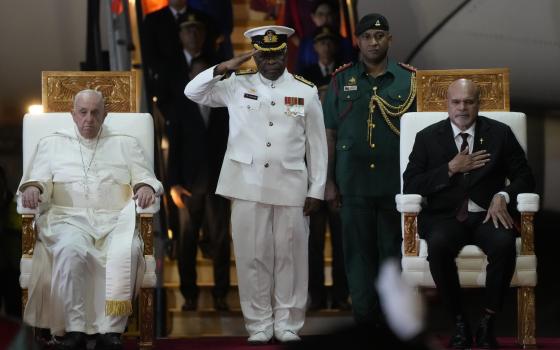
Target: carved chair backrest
(432, 88)
(120, 89)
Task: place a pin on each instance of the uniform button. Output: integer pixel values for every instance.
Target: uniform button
(347, 96)
(372, 165)
(270, 123)
(266, 165)
(272, 85)
(372, 145)
(268, 144)
(273, 103)
(343, 146)
(372, 126)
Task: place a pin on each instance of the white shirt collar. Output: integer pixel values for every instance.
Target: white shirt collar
(457, 131)
(177, 13)
(326, 69)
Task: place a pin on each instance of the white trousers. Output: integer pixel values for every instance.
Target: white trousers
(78, 283)
(271, 251)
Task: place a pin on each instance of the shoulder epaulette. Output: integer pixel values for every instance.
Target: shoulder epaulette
(303, 80)
(341, 68)
(245, 71)
(408, 67)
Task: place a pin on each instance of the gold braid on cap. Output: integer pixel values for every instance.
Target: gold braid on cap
(387, 109)
(268, 49)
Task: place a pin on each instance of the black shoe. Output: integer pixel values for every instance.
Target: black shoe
(44, 338)
(71, 341)
(220, 304)
(109, 341)
(342, 305)
(462, 339)
(485, 337)
(190, 304)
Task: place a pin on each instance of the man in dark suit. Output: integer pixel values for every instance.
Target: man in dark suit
(460, 165)
(319, 73)
(195, 159)
(163, 53)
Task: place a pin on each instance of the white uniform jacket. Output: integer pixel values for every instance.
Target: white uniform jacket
(277, 148)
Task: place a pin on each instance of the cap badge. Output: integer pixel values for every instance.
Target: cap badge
(377, 23)
(270, 37)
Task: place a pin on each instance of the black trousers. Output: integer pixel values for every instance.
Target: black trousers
(445, 240)
(317, 229)
(211, 213)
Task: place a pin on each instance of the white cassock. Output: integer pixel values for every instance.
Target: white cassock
(275, 158)
(88, 257)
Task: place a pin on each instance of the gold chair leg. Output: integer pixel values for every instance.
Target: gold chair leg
(526, 317)
(146, 318)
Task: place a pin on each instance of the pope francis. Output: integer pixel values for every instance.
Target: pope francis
(88, 257)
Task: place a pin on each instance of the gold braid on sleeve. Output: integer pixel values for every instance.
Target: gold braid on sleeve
(388, 110)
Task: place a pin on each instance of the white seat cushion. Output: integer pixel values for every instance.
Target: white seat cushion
(471, 264)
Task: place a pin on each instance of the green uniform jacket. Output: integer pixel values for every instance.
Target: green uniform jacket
(364, 167)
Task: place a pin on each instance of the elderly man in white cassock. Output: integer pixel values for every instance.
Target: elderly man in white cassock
(88, 257)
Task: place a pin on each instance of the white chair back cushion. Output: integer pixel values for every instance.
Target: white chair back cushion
(39, 125)
(413, 122)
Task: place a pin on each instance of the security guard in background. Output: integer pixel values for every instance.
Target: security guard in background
(274, 171)
(362, 109)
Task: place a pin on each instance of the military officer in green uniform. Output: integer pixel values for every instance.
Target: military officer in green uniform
(362, 109)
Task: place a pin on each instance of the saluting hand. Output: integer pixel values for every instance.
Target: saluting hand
(145, 196)
(464, 162)
(233, 64)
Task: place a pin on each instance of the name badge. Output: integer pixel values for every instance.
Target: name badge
(252, 97)
(350, 87)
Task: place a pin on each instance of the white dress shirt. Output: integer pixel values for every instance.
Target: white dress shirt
(473, 207)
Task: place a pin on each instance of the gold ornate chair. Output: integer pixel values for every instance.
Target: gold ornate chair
(122, 101)
(471, 262)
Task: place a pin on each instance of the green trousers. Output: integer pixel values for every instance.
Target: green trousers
(371, 233)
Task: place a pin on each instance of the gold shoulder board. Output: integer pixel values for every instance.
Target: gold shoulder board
(408, 67)
(303, 80)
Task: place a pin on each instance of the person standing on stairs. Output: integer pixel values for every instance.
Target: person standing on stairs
(274, 172)
(196, 157)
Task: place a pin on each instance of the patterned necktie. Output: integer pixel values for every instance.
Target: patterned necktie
(462, 213)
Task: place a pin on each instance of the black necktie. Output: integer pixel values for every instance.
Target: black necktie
(465, 143)
(462, 213)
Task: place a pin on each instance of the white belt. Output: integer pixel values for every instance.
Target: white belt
(101, 196)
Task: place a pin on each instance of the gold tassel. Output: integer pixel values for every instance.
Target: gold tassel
(118, 307)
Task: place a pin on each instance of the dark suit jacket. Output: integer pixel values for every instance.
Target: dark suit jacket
(195, 148)
(427, 171)
(313, 73)
(163, 51)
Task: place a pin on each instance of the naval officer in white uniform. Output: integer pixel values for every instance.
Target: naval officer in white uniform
(274, 171)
